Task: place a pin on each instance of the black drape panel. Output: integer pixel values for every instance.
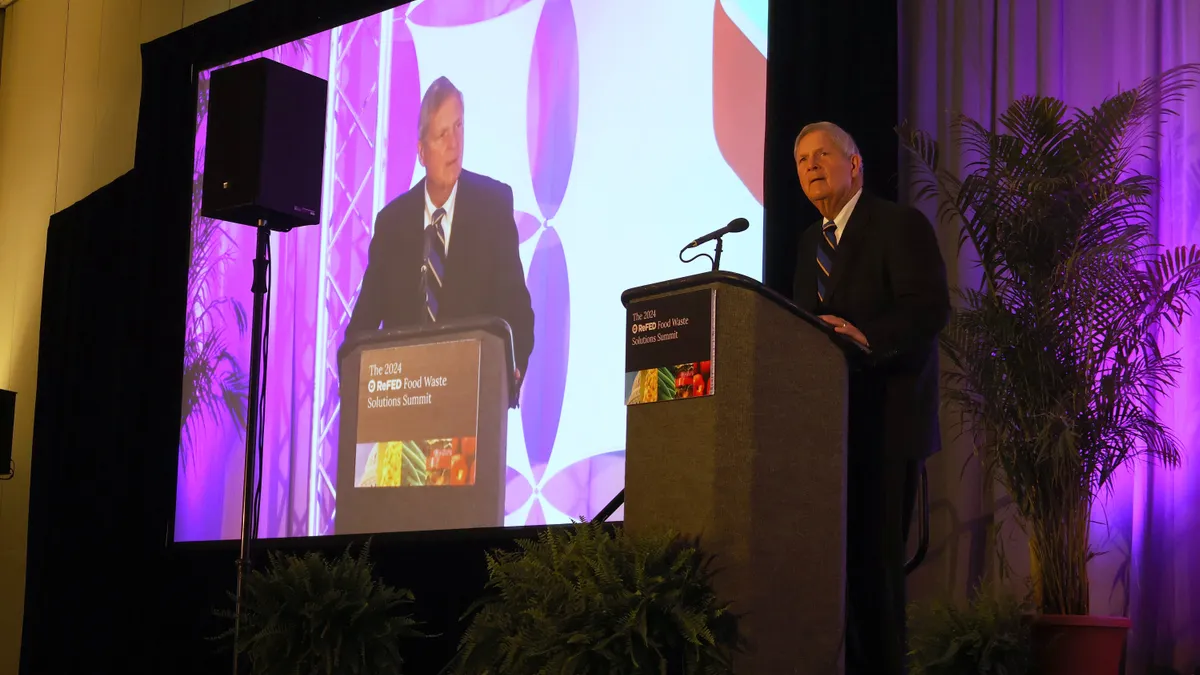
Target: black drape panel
(83, 515)
(828, 61)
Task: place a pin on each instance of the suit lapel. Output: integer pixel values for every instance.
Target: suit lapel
(806, 294)
(413, 210)
(460, 238)
(856, 232)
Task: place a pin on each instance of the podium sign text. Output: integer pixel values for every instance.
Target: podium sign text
(670, 348)
(418, 415)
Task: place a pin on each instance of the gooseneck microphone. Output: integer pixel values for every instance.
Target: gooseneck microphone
(735, 225)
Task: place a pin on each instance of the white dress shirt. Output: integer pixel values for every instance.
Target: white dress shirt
(448, 220)
(842, 218)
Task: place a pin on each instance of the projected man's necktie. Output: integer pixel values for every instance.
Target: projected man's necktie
(434, 267)
(826, 251)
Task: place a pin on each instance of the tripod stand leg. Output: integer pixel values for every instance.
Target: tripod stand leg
(253, 422)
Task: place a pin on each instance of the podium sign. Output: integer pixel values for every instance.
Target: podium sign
(671, 348)
(418, 415)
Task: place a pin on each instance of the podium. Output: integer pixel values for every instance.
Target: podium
(748, 452)
(423, 427)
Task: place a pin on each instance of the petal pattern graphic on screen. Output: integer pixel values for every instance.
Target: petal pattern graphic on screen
(545, 383)
(578, 490)
(517, 491)
(583, 488)
(553, 108)
(740, 89)
(537, 515)
(527, 225)
(450, 13)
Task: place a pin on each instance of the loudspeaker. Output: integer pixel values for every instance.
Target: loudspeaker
(265, 148)
(8, 412)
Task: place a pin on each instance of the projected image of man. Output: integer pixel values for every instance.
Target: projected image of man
(447, 248)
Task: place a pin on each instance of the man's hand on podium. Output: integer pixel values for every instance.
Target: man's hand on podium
(846, 328)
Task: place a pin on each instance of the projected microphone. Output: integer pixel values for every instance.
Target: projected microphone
(735, 225)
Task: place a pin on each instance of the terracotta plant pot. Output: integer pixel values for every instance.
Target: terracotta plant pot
(1079, 645)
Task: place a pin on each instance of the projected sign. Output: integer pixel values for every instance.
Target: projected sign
(418, 415)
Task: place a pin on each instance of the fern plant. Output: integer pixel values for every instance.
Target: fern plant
(306, 615)
(991, 636)
(586, 601)
(1055, 356)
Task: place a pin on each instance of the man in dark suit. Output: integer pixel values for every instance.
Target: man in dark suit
(447, 248)
(873, 270)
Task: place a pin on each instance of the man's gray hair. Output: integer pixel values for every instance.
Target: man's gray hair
(843, 140)
(437, 94)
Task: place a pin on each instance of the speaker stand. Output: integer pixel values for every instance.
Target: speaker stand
(253, 424)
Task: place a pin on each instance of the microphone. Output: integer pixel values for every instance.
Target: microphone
(735, 225)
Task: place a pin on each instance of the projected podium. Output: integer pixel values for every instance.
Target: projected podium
(423, 427)
(736, 432)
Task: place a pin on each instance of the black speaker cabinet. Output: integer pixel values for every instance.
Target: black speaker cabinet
(265, 148)
(8, 412)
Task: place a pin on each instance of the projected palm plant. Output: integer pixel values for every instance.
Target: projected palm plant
(214, 384)
(1056, 357)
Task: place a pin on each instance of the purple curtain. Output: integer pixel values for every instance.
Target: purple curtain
(975, 58)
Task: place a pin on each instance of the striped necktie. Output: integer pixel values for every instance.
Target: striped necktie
(433, 266)
(826, 252)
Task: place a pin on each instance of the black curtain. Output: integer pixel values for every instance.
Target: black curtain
(106, 592)
(828, 61)
(87, 555)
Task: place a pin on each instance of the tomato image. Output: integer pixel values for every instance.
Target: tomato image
(698, 385)
(459, 471)
(705, 368)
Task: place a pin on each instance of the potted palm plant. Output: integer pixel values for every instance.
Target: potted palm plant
(1055, 357)
(588, 601)
(307, 615)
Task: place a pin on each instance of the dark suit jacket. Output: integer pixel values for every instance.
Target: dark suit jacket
(889, 280)
(483, 268)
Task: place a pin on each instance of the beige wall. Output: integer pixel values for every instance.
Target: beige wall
(69, 94)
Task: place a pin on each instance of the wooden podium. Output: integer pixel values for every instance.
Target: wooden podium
(748, 452)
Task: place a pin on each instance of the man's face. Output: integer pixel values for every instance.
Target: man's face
(440, 150)
(825, 172)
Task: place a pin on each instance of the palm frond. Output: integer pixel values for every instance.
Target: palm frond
(1055, 362)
